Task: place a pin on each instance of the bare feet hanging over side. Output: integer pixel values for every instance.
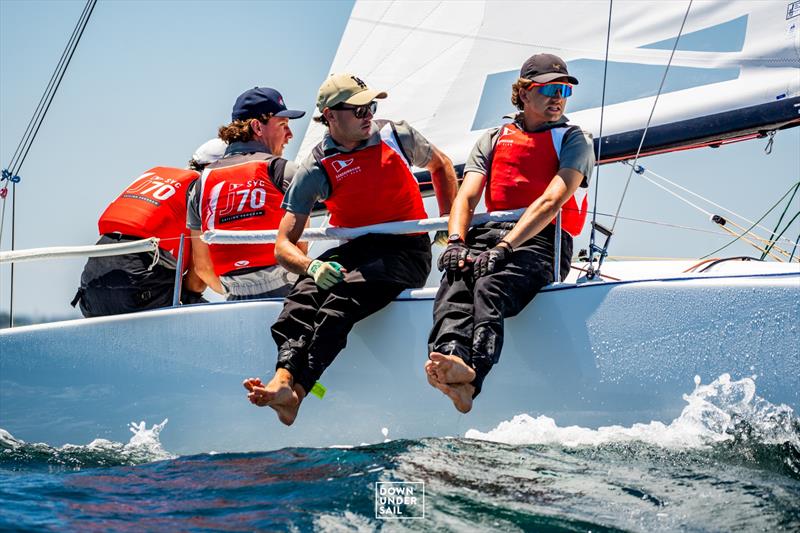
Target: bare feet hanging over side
(281, 394)
(449, 369)
(459, 393)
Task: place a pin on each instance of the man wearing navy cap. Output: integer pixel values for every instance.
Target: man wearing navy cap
(244, 191)
(538, 162)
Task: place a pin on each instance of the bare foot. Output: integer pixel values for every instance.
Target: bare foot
(449, 369)
(460, 393)
(281, 394)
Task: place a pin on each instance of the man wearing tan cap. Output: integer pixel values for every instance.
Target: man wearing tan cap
(362, 171)
(492, 271)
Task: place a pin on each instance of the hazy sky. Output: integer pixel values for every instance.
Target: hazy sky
(150, 81)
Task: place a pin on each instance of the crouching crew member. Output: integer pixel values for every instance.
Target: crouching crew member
(244, 191)
(362, 170)
(493, 271)
(154, 205)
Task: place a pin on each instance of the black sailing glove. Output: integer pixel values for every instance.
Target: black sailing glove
(491, 260)
(456, 252)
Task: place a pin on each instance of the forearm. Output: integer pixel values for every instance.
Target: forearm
(465, 202)
(445, 185)
(211, 279)
(202, 265)
(288, 251)
(545, 208)
(291, 257)
(460, 216)
(535, 218)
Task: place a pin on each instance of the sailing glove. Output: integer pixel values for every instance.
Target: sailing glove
(491, 261)
(454, 254)
(326, 274)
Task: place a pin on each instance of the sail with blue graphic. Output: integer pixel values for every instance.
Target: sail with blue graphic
(733, 67)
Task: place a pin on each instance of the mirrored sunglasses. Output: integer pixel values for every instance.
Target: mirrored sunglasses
(553, 88)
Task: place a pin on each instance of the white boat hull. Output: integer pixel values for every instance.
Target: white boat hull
(592, 355)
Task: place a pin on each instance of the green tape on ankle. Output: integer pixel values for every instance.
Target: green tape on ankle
(318, 390)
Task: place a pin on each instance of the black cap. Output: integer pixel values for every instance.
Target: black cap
(541, 68)
(262, 101)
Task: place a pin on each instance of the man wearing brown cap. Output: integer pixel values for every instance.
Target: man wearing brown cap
(244, 191)
(493, 271)
(362, 171)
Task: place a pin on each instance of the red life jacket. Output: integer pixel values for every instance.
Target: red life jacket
(371, 185)
(523, 165)
(154, 205)
(238, 194)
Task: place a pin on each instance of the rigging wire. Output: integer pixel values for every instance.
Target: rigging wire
(765, 248)
(652, 111)
(677, 186)
(592, 245)
(23, 148)
(752, 226)
(15, 164)
(47, 98)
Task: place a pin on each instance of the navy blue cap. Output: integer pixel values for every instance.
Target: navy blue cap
(262, 101)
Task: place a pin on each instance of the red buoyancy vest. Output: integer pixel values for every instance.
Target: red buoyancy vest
(523, 165)
(154, 205)
(240, 197)
(372, 185)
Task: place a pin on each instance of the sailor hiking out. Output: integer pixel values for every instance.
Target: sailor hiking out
(493, 271)
(154, 205)
(244, 191)
(362, 171)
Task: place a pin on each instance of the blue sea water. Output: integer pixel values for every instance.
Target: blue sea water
(729, 469)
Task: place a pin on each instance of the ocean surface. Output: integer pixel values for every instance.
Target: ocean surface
(729, 462)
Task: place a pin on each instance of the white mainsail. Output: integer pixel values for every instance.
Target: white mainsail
(448, 65)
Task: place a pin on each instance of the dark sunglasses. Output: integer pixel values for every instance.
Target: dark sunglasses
(359, 111)
(552, 89)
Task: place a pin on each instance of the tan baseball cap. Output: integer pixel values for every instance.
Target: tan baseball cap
(345, 88)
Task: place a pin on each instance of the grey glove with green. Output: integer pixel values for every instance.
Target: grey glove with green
(326, 274)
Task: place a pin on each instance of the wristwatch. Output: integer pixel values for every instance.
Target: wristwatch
(454, 238)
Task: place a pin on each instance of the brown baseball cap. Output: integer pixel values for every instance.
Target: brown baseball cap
(541, 68)
(345, 88)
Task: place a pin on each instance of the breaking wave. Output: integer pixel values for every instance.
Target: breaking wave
(143, 447)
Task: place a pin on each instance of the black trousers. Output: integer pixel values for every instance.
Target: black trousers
(468, 314)
(312, 328)
(121, 284)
